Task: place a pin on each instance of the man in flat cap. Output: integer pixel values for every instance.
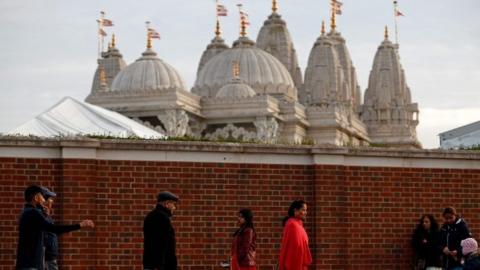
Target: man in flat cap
(159, 235)
(31, 229)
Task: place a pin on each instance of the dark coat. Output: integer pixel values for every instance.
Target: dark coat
(245, 245)
(451, 236)
(31, 228)
(51, 244)
(472, 262)
(159, 240)
(428, 250)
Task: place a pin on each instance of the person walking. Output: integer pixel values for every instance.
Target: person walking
(244, 242)
(159, 235)
(453, 231)
(294, 251)
(31, 228)
(425, 243)
(50, 238)
(470, 252)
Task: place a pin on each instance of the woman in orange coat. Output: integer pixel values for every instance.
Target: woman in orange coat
(294, 252)
(244, 242)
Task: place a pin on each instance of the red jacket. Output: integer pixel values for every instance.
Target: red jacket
(244, 245)
(294, 252)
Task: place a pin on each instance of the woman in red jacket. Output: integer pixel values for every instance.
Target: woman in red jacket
(294, 252)
(243, 246)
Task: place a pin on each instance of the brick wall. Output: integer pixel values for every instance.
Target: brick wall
(360, 217)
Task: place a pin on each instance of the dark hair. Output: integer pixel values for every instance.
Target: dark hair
(433, 223)
(295, 205)
(31, 191)
(247, 214)
(449, 210)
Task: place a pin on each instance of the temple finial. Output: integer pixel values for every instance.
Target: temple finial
(323, 28)
(243, 26)
(149, 40)
(386, 32)
(149, 35)
(113, 41)
(217, 29)
(274, 6)
(243, 21)
(235, 70)
(333, 22)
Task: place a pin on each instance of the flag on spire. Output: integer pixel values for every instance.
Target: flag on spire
(221, 10)
(107, 22)
(243, 15)
(398, 13)
(337, 7)
(102, 32)
(153, 33)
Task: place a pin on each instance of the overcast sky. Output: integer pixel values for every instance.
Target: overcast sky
(48, 48)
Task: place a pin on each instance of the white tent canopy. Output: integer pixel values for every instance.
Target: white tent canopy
(72, 117)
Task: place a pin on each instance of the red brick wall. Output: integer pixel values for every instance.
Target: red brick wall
(359, 217)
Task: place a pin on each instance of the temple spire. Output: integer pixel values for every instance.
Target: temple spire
(386, 32)
(274, 6)
(113, 41)
(323, 28)
(217, 29)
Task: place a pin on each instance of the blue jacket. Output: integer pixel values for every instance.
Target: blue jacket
(31, 228)
(51, 244)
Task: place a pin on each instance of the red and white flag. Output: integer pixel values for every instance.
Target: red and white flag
(153, 33)
(221, 10)
(398, 13)
(244, 17)
(107, 22)
(337, 7)
(101, 32)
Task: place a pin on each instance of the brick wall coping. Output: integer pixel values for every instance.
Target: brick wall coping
(235, 153)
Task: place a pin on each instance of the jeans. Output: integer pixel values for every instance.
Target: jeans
(51, 265)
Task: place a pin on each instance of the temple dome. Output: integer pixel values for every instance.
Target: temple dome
(235, 89)
(260, 70)
(148, 73)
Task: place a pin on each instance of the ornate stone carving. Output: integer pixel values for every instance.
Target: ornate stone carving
(175, 122)
(267, 130)
(231, 131)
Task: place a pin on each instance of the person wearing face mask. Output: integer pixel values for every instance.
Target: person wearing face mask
(31, 228)
(159, 234)
(425, 243)
(294, 251)
(244, 242)
(453, 231)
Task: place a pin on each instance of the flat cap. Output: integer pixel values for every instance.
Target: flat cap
(166, 196)
(47, 193)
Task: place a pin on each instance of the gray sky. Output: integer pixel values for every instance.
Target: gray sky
(48, 48)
